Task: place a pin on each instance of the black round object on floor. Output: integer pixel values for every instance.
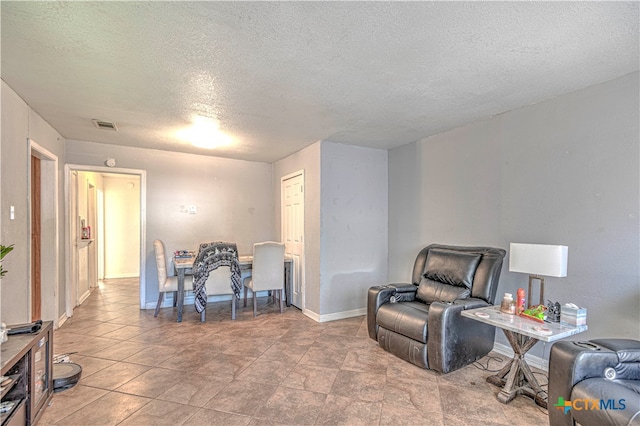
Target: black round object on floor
(65, 375)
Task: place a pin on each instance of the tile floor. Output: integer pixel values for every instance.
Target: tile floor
(274, 369)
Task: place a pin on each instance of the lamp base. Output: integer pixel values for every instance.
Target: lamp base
(541, 279)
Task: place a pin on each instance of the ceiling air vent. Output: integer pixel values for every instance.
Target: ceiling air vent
(105, 125)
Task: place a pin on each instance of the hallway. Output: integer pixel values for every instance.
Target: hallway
(274, 369)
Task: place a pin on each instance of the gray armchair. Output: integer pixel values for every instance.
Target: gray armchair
(420, 321)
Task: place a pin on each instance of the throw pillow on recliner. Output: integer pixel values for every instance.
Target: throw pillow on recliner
(448, 276)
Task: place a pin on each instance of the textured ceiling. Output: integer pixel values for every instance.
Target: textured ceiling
(278, 76)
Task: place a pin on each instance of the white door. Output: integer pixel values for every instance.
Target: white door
(292, 198)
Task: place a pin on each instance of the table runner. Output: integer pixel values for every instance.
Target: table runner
(211, 256)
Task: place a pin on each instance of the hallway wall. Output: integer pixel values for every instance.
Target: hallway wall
(20, 123)
(122, 226)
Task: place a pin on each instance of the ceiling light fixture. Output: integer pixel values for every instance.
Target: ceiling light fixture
(204, 133)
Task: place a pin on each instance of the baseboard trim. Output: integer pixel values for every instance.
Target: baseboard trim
(62, 320)
(334, 316)
(83, 297)
(532, 360)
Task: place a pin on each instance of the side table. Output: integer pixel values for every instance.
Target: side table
(516, 378)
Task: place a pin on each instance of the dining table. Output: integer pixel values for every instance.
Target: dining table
(183, 266)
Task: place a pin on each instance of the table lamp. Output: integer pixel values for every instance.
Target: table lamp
(538, 260)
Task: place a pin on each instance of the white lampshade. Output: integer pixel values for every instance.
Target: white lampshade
(538, 259)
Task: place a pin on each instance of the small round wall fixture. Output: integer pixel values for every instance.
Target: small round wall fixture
(111, 162)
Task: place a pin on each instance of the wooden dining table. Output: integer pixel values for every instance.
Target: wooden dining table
(184, 266)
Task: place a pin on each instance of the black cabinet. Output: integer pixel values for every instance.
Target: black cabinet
(27, 359)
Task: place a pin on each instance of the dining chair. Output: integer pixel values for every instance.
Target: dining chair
(216, 271)
(219, 284)
(267, 272)
(166, 284)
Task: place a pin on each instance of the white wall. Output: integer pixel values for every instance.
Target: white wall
(353, 236)
(122, 226)
(20, 122)
(564, 171)
(234, 198)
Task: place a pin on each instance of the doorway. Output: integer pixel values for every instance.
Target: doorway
(36, 294)
(292, 229)
(100, 257)
(43, 223)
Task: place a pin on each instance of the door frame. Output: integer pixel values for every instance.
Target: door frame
(49, 235)
(69, 249)
(282, 227)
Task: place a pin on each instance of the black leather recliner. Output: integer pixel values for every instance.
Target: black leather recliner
(594, 383)
(421, 323)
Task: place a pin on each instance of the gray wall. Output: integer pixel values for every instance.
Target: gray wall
(564, 171)
(346, 217)
(307, 159)
(353, 234)
(20, 122)
(234, 198)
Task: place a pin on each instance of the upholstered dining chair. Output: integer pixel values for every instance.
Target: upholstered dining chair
(219, 284)
(267, 272)
(216, 271)
(166, 283)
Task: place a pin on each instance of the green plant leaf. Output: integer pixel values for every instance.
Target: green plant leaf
(4, 250)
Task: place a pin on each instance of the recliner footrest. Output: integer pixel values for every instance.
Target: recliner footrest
(408, 319)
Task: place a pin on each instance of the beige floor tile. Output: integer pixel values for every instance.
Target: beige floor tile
(154, 355)
(109, 409)
(339, 410)
(70, 401)
(470, 404)
(120, 351)
(292, 406)
(311, 378)
(276, 369)
(151, 383)
(91, 365)
(324, 357)
(398, 415)
(366, 361)
(160, 413)
(241, 397)
(204, 417)
(124, 333)
(115, 375)
(194, 389)
(284, 352)
(266, 371)
(362, 386)
(223, 365)
(421, 395)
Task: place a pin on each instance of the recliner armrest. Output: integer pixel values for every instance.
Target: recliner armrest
(378, 296)
(573, 362)
(454, 340)
(628, 352)
(471, 303)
